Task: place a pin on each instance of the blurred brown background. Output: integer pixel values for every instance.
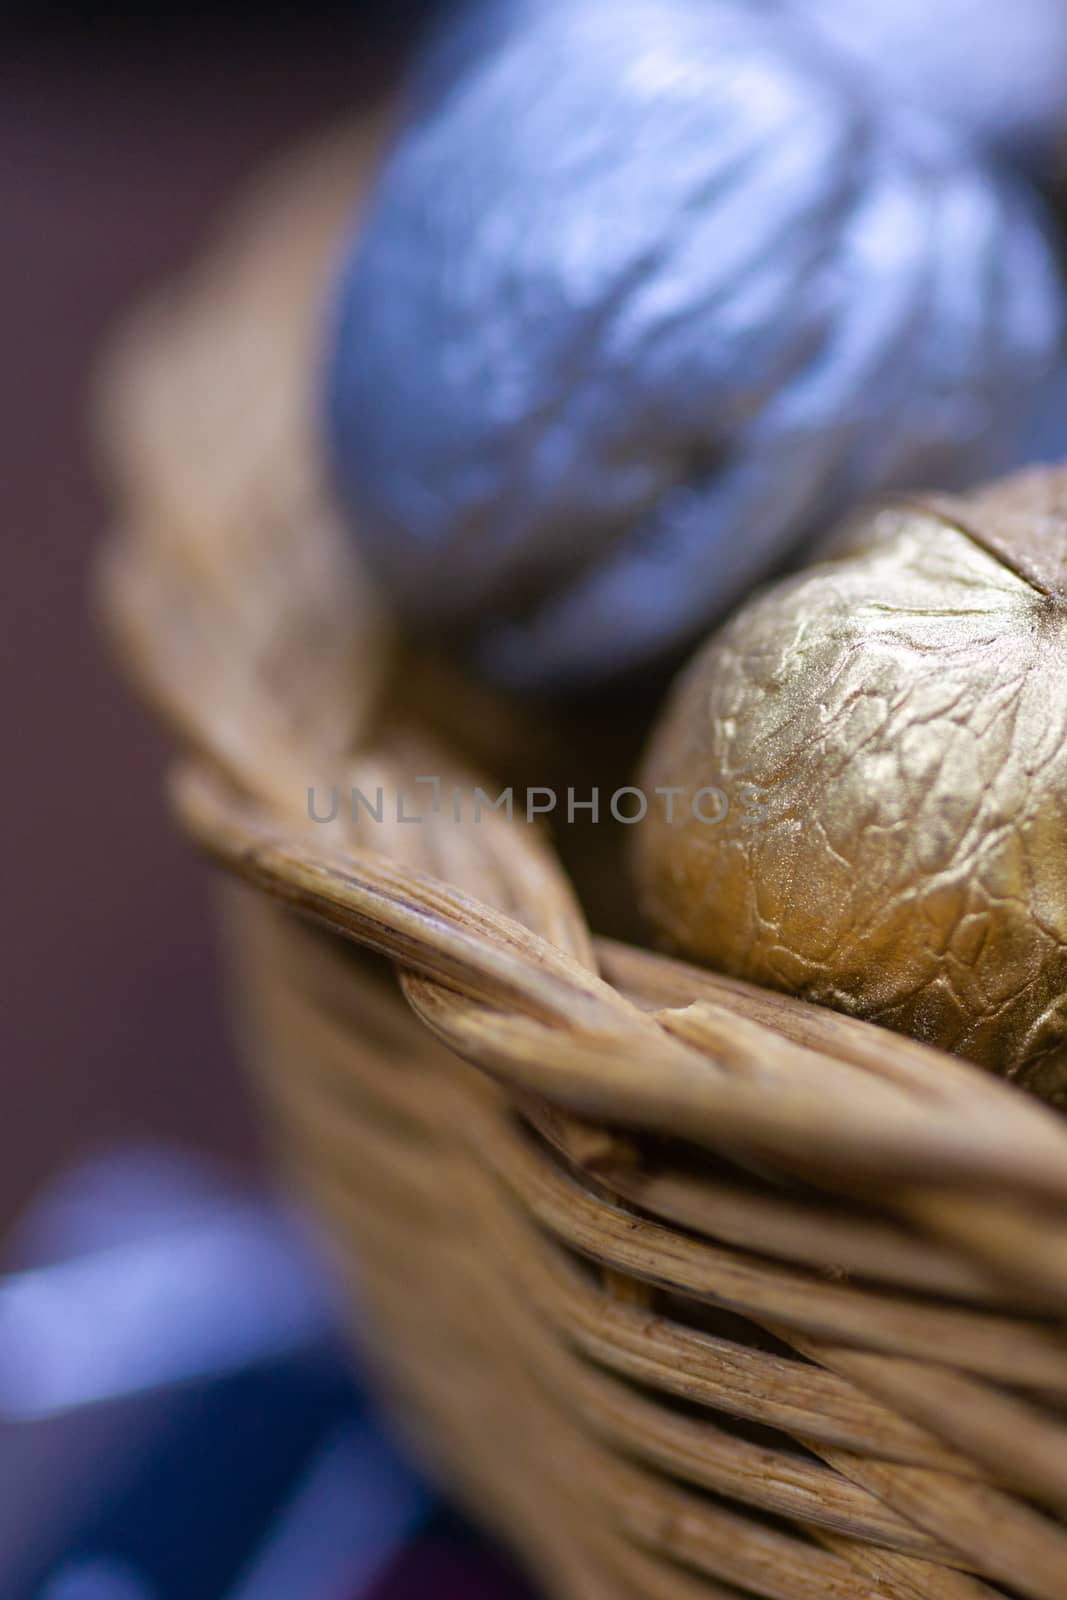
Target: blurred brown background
(116, 151)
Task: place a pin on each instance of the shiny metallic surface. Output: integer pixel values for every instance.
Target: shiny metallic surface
(901, 713)
(648, 292)
(998, 71)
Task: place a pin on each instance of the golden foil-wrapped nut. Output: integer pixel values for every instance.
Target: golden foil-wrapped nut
(883, 744)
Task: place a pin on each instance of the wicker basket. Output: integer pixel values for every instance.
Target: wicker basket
(691, 1290)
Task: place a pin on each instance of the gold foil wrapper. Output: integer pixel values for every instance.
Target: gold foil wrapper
(890, 731)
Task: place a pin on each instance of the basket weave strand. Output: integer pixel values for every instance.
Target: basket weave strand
(691, 1291)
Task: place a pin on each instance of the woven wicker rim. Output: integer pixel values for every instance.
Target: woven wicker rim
(235, 601)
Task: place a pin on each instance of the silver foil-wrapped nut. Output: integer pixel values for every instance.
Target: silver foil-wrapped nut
(648, 292)
(998, 71)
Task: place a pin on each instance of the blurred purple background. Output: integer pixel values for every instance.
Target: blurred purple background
(121, 138)
(117, 148)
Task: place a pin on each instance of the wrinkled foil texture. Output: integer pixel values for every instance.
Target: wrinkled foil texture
(901, 714)
(648, 292)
